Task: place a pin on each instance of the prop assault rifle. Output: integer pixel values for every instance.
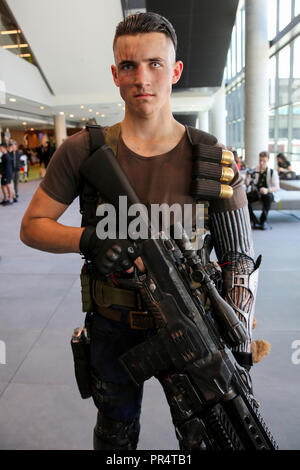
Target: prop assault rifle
(209, 392)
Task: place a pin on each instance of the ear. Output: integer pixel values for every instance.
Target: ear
(115, 74)
(177, 71)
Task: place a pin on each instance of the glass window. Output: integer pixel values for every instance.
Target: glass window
(297, 7)
(271, 125)
(282, 144)
(242, 99)
(229, 64)
(238, 141)
(285, 13)
(243, 37)
(233, 46)
(296, 131)
(272, 82)
(296, 72)
(272, 17)
(239, 42)
(284, 74)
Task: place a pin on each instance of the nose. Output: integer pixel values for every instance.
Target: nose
(142, 77)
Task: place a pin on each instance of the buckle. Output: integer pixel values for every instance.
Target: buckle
(137, 320)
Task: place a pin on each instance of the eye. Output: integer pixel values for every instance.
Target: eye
(127, 67)
(155, 64)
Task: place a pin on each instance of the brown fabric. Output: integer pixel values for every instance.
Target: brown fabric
(159, 179)
(135, 319)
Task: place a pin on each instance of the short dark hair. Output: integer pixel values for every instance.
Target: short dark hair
(3, 145)
(148, 22)
(264, 153)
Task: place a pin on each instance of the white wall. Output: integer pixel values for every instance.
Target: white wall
(22, 78)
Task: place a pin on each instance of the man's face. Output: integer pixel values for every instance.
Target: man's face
(145, 71)
(263, 163)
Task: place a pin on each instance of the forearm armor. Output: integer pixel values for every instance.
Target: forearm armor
(232, 240)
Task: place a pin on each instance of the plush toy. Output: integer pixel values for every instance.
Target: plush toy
(259, 348)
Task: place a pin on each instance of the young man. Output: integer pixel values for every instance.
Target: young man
(16, 166)
(155, 152)
(265, 184)
(6, 176)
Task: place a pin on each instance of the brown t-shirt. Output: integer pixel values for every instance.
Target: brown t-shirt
(159, 179)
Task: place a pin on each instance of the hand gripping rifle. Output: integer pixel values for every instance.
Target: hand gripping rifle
(210, 394)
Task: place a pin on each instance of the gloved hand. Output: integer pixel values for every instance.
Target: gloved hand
(109, 255)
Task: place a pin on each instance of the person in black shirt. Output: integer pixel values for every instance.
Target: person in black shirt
(6, 176)
(284, 167)
(265, 182)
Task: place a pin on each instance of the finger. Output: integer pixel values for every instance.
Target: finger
(126, 264)
(139, 264)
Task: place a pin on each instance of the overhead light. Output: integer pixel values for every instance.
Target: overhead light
(24, 123)
(14, 46)
(25, 55)
(123, 108)
(90, 110)
(102, 115)
(42, 107)
(61, 113)
(13, 100)
(32, 129)
(11, 31)
(71, 115)
(97, 112)
(82, 107)
(119, 104)
(83, 119)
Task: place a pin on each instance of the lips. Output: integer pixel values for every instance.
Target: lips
(143, 95)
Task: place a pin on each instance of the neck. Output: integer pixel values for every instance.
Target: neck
(157, 127)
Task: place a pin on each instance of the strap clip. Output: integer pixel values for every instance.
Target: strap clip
(138, 321)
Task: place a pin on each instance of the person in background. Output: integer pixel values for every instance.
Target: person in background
(16, 166)
(265, 182)
(24, 165)
(6, 176)
(283, 165)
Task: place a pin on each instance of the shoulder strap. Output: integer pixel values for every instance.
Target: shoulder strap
(96, 137)
(108, 135)
(196, 136)
(88, 196)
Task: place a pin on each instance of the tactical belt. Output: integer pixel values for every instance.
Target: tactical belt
(104, 295)
(137, 320)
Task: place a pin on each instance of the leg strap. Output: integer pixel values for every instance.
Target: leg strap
(113, 394)
(115, 435)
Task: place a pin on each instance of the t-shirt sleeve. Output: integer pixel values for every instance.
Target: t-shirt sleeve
(61, 181)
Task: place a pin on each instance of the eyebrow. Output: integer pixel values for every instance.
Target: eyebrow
(133, 62)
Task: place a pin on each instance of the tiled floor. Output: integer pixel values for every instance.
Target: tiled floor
(40, 407)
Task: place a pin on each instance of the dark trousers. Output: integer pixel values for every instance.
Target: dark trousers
(266, 200)
(115, 395)
(16, 176)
